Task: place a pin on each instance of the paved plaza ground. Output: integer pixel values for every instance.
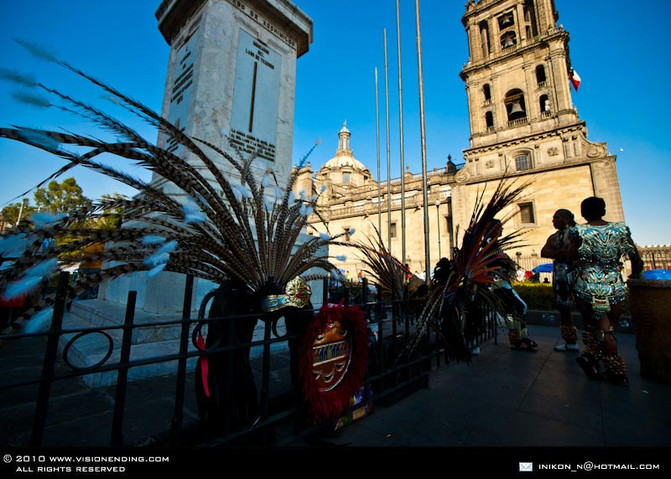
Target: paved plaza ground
(505, 401)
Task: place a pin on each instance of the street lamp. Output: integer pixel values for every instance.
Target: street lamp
(440, 255)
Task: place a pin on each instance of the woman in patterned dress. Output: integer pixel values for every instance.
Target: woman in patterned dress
(596, 250)
(556, 248)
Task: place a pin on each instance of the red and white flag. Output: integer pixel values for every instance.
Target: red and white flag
(575, 79)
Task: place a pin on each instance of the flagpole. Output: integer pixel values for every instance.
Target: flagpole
(400, 123)
(427, 254)
(377, 130)
(18, 220)
(386, 82)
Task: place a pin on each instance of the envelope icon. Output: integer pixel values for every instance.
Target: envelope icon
(526, 466)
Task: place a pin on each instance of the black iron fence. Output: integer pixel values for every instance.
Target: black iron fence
(279, 413)
(654, 257)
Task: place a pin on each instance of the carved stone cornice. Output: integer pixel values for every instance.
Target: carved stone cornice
(505, 144)
(465, 178)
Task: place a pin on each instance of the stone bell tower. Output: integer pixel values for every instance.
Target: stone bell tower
(522, 119)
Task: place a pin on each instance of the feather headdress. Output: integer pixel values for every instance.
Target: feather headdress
(463, 282)
(213, 228)
(383, 268)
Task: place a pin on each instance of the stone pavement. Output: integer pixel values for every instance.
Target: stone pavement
(516, 399)
(523, 399)
(509, 409)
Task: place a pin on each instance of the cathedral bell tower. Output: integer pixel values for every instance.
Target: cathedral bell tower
(522, 118)
(517, 76)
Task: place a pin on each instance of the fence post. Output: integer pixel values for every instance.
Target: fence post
(181, 364)
(265, 376)
(394, 306)
(122, 375)
(404, 309)
(380, 311)
(231, 350)
(44, 391)
(325, 292)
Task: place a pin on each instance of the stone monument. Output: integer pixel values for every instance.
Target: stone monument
(231, 82)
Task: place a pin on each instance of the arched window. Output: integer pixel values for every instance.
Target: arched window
(506, 20)
(487, 92)
(544, 104)
(523, 161)
(540, 75)
(489, 120)
(515, 105)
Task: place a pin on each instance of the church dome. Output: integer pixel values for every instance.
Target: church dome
(342, 161)
(344, 157)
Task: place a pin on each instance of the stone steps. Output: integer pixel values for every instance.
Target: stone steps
(104, 314)
(85, 348)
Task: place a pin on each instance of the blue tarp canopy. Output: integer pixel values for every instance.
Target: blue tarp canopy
(657, 274)
(543, 268)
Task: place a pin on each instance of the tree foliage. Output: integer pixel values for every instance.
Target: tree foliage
(10, 213)
(64, 197)
(111, 217)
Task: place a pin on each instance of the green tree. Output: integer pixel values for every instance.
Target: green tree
(111, 218)
(10, 213)
(108, 218)
(62, 197)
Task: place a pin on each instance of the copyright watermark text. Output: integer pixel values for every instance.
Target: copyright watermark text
(77, 464)
(587, 466)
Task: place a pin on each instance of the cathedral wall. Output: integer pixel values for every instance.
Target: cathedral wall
(546, 192)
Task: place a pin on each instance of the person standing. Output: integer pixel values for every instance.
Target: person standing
(596, 250)
(514, 309)
(556, 248)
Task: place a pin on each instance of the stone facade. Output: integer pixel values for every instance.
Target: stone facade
(348, 201)
(523, 127)
(523, 122)
(656, 257)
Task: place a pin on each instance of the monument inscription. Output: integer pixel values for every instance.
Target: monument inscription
(256, 97)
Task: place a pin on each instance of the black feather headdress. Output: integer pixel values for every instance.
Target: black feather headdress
(215, 228)
(462, 283)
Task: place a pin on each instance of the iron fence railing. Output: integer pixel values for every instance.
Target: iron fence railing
(390, 324)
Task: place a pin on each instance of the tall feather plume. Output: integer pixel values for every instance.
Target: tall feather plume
(474, 266)
(238, 234)
(381, 266)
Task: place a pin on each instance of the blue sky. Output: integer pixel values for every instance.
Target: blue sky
(619, 47)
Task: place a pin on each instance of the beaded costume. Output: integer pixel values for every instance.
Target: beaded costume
(598, 279)
(561, 276)
(562, 285)
(599, 283)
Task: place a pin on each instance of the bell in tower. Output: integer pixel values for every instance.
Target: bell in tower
(508, 40)
(515, 105)
(506, 21)
(516, 110)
